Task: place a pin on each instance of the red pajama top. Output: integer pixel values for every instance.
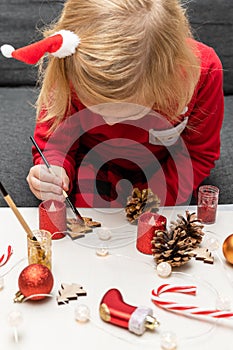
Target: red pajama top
(150, 152)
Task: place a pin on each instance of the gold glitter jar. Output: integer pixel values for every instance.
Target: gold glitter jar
(40, 248)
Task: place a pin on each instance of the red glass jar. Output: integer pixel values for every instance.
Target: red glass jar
(207, 204)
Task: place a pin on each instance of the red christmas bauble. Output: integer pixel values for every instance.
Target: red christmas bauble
(35, 279)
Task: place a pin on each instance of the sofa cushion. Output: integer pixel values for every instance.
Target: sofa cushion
(20, 21)
(222, 174)
(16, 126)
(212, 23)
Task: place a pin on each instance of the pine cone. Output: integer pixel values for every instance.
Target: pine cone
(140, 202)
(191, 225)
(173, 245)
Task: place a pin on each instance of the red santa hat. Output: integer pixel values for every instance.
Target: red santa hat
(61, 44)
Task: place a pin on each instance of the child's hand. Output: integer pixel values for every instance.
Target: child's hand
(45, 185)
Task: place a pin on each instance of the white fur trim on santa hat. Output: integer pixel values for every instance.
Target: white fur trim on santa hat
(7, 50)
(69, 44)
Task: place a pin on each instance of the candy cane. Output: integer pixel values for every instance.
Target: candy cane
(184, 308)
(4, 258)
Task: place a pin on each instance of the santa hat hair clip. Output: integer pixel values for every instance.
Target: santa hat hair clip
(61, 44)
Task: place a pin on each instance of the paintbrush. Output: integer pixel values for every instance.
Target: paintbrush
(12, 205)
(74, 209)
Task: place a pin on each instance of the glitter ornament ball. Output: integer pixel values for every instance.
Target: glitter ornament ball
(35, 279)
(227, 249)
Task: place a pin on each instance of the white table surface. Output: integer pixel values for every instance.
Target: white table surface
(47, 325)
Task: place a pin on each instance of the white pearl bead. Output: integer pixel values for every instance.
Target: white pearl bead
(82, 313)
(223, 303)
(104, 233)
(164, 269)
(212, 243)
(102, 250)
(1, 283)
(168, 341)
(15, 318)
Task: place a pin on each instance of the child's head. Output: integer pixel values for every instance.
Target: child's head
(132, 51)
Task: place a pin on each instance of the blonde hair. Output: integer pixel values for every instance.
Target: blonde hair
(135, 50)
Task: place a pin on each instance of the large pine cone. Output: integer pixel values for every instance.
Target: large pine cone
(173, 245)
(140, 202)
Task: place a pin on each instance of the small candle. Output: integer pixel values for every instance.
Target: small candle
(148, 223)
(52, 217)
(207, 204)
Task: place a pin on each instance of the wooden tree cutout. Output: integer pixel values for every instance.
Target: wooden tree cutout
(203, 254)
(70, 292)
(76, 230)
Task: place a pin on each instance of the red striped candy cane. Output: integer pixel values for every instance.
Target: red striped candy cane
(184, 309)
(4, 258)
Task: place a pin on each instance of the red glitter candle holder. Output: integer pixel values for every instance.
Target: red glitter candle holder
(207, 204)
(148, 223)
(52, 217)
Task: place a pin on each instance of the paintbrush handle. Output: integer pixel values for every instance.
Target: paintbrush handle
(17, 213)
(50, 169)
(75, 211)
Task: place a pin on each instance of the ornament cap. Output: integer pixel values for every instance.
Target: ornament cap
(19, 297)
(141, 319)
(151, 322)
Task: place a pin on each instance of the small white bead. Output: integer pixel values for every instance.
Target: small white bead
(1, 283)
(15, 318)
(168, 341)
(82, 313)
(164, 269)
(223, 303)
(212, 243)
(104, 233)
(102, 250)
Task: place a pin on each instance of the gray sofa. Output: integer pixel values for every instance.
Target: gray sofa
(19, 22)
